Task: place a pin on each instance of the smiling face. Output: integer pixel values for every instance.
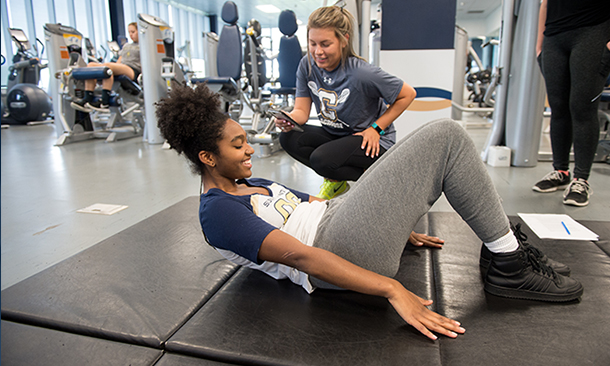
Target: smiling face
(234, 153)
(325, 48)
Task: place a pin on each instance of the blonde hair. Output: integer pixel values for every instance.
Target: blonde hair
(338, 19)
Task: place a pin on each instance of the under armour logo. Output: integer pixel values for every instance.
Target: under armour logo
(328, 80)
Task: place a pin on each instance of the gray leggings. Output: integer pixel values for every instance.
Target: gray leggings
(371, 223)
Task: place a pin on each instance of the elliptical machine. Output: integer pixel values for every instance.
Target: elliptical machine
(25, 101)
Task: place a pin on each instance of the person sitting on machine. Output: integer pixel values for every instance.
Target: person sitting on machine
(128, 64)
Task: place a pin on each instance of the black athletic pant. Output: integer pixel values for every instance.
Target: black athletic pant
(333, 157)
(575, 65)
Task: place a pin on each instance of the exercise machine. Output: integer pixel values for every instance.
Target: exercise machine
(68, 66)
(288, 59)
(519, 99)
(230, 85)
(262, 129)
(157, 44)
(481, 83)
(25, 100)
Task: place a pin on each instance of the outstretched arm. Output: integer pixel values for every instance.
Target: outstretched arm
(283, 248)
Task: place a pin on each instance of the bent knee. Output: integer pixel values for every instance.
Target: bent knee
(320, 161)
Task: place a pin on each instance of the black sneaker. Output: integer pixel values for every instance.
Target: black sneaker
(577, 193)
(97, 105)
(552, 181)
(521, 275)
(80, 105)
(560, 268)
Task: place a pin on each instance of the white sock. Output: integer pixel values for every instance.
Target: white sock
(505, 244)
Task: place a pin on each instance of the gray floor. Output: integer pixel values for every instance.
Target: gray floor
(43, 186)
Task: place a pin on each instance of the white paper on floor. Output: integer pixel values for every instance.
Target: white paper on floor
(553, 226)
(102, 209)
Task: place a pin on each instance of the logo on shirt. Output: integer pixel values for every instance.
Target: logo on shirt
(329, 102)
(328, 80)
(275, 209)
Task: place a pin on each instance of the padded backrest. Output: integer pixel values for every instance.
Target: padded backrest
(288, 61)
(229, 13)
(229, 53)
(290, 50)
(288, 22)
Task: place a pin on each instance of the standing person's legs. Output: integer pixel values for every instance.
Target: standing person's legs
(556, 70)
(589, 67)
(370, 225)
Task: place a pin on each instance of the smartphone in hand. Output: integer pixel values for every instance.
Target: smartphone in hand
(284, 116)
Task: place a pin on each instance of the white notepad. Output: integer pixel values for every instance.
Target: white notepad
(102, 209)
(554, 226)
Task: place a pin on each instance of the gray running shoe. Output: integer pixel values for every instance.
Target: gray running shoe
(577, 193)
(552, 181)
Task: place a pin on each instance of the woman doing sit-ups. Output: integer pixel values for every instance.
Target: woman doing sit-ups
(354, 241)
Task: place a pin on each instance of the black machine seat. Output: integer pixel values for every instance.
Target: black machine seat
(129, 85)
(228, 85)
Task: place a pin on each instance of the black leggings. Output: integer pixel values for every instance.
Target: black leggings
(575, 65)
(333, 157)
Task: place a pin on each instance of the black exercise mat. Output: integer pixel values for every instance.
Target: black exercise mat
(138, 286)
(502, 331)
(169, 359)
(25, 345)
(601, 228)
(255, 319)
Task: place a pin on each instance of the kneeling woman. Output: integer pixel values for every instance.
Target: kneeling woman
(356, 103)
(354, 241)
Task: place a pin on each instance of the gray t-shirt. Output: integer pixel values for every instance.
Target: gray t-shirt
(350, 98)
(130, 56)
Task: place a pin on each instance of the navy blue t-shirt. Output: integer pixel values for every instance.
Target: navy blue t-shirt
(351, 97)
(241, 223)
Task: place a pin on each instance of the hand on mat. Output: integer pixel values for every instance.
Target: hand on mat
(370, 141)
(424, 240)
(413, 310)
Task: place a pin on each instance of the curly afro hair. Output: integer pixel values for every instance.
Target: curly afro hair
(191, 121)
